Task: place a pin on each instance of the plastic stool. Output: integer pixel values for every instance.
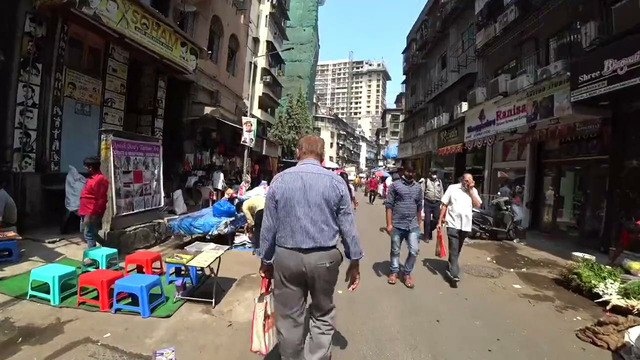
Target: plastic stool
(10, 246)
(103, 255)
(178, 273)
(54, 275)
(140, 285)
(102, 280)
(144, 260)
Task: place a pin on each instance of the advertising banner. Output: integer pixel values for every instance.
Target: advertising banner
(137, 175)
(248, 131)
(83, 88)
(131, 20)
(606, 69)
(480, 122)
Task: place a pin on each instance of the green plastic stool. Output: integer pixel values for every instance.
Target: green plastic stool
(103, 255)
(54, 275)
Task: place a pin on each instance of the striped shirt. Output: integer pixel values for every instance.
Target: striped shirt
(308, 207)
(405, 201)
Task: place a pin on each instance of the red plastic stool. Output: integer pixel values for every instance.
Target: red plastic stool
(102, 280)
(144, 261)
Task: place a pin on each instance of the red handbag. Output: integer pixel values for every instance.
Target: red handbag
(441, 249)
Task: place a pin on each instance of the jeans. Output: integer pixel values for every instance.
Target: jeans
(429, 209)
(90, 231)
(456, 239)
(257, 227)
(372, 196)
(412, 238)
(300, 274)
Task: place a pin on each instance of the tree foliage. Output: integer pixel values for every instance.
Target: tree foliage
(292, 123)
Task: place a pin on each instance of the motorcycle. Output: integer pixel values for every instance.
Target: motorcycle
(496, 221)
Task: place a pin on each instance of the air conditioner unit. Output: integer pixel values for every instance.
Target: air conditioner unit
(506, 18)
(459, 109)
(589, 32)
(625, 15)
(552, 70)
(444, 118)
(519, 83)
(483, 36)
(431, 124)
(437, 121)
(498, 85)
(267, 79)
(477, 96)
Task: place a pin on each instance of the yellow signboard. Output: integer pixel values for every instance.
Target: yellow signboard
(133, 21)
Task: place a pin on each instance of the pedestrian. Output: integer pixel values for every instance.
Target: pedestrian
(8, 209)
(93, 201)
(352, 190)
(372, 185)
(404, 217)
(432, 194)
(253, 209)
(457, 210)
(308, 209)
(505, 190)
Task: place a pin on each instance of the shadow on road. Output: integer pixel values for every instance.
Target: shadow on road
(381, 268)
(437, 266)
(338, 340)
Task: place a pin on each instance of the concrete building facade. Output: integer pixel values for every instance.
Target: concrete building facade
(342, 142)
(354, 90)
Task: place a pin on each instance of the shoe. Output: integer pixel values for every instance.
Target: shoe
(456, 279)
(453, 284)
(392, 278)
(408, 282)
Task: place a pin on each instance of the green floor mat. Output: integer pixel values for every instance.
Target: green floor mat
(17, 286)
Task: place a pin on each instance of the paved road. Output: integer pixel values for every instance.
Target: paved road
(485, 318)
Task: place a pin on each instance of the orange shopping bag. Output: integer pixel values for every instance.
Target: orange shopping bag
(263, 325)
(441, 248)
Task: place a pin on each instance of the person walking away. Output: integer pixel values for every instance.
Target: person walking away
(372, 185)
(457, 210)
(432, 194)
(308, 209)
(253, 209)
(404, 217)
(8, 209)
(352, 190)
(93, 201)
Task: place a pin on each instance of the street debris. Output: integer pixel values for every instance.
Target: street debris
(517, 286)
(107, 335)
(339, 291)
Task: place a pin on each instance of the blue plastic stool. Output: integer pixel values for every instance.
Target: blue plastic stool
(12, 247)
(54, 275)
(141, 286)
(103, 255)
(178, 273)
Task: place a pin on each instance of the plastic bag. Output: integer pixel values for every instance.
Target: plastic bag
(631, 266)
(441, 248)
(72, 189)
(224, 208)
(263, 326)
(178, 202)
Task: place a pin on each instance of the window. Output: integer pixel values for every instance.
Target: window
(468, 37)
(443, 61)
(232, 54)
(162, 6)
(185, 20)
(216, 34)
(84, 52)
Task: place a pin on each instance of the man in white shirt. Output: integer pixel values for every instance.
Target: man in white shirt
(457, 210)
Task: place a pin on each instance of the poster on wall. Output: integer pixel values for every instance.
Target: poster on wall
(28, 94)
(82, 87)
(115, 88)
(248, 131)
(57, 102)
(161, 95)
(135, 22)
(137, 175)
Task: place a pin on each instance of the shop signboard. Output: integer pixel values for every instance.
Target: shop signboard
(480, 122)
(405, 150)
(133, 21)
(451, 136)
(137, 175)
(82, 88)
(607, 69)
(248, 131)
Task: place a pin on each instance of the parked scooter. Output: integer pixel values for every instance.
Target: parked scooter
(498, 221)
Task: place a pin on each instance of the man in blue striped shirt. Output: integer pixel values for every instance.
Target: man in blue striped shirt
(308, 209)
(404, 216)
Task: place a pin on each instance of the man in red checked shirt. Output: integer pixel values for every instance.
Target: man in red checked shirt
(93, 201)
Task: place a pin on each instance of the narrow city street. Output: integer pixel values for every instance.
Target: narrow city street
(487, 317)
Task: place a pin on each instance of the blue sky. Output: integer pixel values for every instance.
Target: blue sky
(372, 29)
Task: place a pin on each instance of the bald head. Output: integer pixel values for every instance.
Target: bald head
(310, 147)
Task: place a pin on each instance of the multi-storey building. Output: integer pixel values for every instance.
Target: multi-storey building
(353, 90)
(440, 69)
(342, 142)
(389, 134)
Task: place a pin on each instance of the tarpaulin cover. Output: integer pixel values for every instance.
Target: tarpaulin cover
(391, 152)
(203, 222)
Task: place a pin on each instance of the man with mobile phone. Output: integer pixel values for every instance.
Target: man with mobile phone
(457, 210)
